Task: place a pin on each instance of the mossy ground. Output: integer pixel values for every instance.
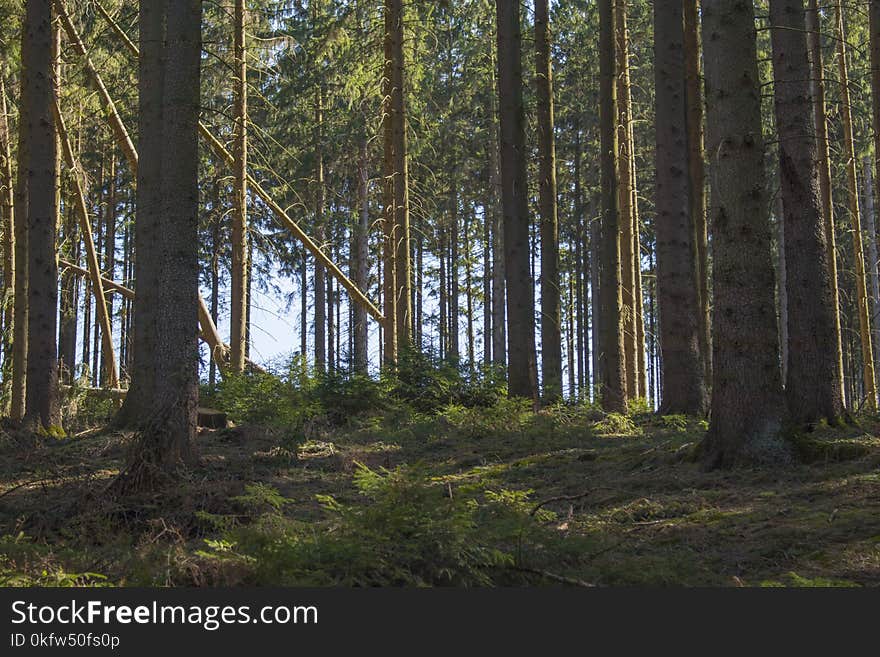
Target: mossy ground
(629, 506)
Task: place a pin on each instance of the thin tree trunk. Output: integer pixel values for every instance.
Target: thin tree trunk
(400, 174)
(697, 172)
(871, 236)
(551, 339)
(7, 212)
(110, 269)
(389, 228)
(820, 125)
(611, 352)
(239, 273)
(320, 278)
(781, 288)
(499, 324)
(625, 175)
(359, 255)
(868, 374)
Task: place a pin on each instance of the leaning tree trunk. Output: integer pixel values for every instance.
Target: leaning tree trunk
(684, 389)
(747, 402)
(522, 365)
(551, 339)
(42, 410)
(812, 388)
(610, 326)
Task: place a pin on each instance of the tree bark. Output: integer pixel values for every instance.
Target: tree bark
(7, 205)
(626, 198)
(868, 375)
(684, 389)
(551, 337)
(522, 368)
(697, 172)
(610, 327)
(747, 400)
(42, 411)
(812, 390)
(239, 273)
(820, 125)
(360, 255)
(166, 371)
(871, 236)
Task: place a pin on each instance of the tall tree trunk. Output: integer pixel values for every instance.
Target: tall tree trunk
(389, 228)
(216, 220)
(42, 410)
(7, 213)
(400, 175)
(871, 236)
(320, 275)
(239, 273)
(166, 371)
(782, 285)
(684, 389)
(611, 349)
(359, 255)
(625, 194)
(551, 338)
(304, 308)
(595, 304)
(812, 389)
(110, 268)
(452, 275)
(747, 400)
(580, 250)
(522, 365)
(69, 295)
(20, 250)
(499, 324)
(820, 125)
(697, 172)
(868, 374)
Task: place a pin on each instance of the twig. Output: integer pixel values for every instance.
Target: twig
(561, 498)
(557, 578)
(23, 485)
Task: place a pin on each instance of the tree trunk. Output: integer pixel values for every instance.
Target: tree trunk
(551, 338)
(871, 236)
(812, 389)
(868, 374)
(166, 371)
(7, 213)
(359, 255)
(42, 410)
(697, 172)
(389, 229)
(625, 190)
(820, 125)
(108, 360)
(522, 369)
(400, 175)
(20, 250)
(747, 400)
(320, 277)
(239, 273)
(684, 389)
(499, 323)
(781, 287)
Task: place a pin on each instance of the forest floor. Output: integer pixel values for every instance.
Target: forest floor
(465, 496)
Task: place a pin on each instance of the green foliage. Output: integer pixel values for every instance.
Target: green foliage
(414, 531)
(615, 424)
